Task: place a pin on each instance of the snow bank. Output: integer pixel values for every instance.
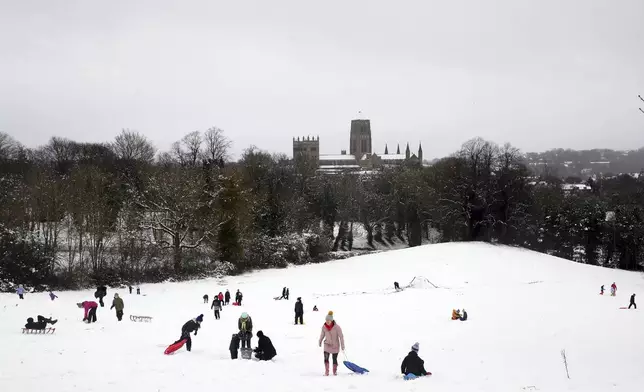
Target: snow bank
(524, 308)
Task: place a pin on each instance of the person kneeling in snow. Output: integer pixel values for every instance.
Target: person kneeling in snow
(265, 350)
(190, 326)
(456, 314)
(40, 324)
(412, 364)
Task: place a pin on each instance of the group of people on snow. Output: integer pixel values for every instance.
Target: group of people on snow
(613, 292)
(458, 315)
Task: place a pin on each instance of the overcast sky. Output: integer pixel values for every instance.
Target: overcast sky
(539, 74)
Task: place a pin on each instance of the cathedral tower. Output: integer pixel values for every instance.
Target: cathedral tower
(360, 138)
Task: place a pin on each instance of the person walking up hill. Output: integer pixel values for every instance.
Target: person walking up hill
(333, 340)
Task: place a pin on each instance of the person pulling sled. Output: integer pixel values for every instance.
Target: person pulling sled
(333, 339)
(189, 327)
(632, 303)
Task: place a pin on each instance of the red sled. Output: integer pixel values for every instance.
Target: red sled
(174, 347)
(235, 304)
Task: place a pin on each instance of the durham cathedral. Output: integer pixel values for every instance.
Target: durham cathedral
(360, 156)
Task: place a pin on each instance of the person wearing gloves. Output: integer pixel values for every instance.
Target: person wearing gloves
(90, 310)
(333, 340)
(245, 325)
(265, 350)
(119, 305)
(190, 326)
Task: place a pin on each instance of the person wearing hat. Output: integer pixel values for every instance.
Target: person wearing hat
(245, 325)
(299, 311)
(190, 326)
(333, 341)
(412, 364)
(632, 302)
(119, 305)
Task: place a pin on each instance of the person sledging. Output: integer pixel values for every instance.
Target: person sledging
(333, 339)
(189, 327)
(40, 324)
(412, 364)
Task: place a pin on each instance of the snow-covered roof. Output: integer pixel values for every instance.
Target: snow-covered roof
(600, 163)
(326, 167)
(337, 157)
(575, 186)
(393, 157)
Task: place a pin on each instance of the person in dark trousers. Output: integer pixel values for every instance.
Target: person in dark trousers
(283, 293)
(227, 298)
(234, 346)
(221, 298)
(52, 295)
(40, 324)
(464, 316)
(117, 303)
(632, 302)
(130, 288)
(138, 290)
(412, 363)
(601, 290)
(190, 326)
(245, 325)
(288, 293)
(101, 292)
(265, 351)
(238, 297)
(216, 305)
(89, 308)
(205, 298)
(396, 286)
(21, 292)
(299, 311)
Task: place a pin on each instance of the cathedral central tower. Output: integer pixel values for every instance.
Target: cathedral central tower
(360, 138)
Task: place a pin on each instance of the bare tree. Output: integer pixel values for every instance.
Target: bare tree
(192, 144)
(216, 145)
(9, 147)
(131, 145)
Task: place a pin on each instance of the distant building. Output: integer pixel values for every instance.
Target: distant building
(361, 155)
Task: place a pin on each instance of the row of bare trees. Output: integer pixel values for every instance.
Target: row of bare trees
(123, 211)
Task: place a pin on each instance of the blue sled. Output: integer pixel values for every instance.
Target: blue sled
(355, 368)
(410, 376)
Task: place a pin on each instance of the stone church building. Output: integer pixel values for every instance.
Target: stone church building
(360, 156)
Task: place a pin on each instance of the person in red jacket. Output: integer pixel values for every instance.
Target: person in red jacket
(613, 289)
(90, 310)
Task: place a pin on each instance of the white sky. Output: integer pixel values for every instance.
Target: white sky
(539, 74)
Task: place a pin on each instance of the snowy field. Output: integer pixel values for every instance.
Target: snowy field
(523, 307)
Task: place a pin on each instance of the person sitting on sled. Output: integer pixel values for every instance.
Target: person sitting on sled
(412, 364)
(265, 351)
(40, 324)
(456, 314)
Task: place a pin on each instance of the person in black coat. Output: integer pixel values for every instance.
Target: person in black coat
(265, 351)
(288, 293)
(632, 302)
(101, 292)
(238, 297)
(412, 363)
(234, 346)
(227, 298)
(216, 304)
(191, 326)
(283, 293)
(299, 311)
(40, 324)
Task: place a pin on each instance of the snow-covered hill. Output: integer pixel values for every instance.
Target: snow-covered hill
(524, 308)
